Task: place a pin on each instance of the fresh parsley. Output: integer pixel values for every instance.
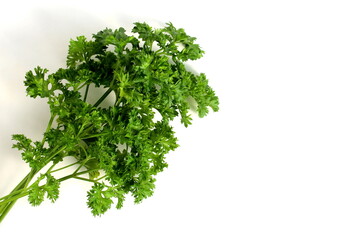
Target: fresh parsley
(119, 148)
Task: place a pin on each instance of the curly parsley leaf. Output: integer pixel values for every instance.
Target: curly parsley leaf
(52, 188)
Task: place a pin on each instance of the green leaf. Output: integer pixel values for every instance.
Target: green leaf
(143, 189)
(81, 50)
(32, 152)
(52, 188)
(98, 202)
(23, 143)
(36, 83)
(36, 195)
(100, 198)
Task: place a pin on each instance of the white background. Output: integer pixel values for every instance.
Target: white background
(279, 161)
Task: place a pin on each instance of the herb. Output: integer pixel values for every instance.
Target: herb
(122, 147)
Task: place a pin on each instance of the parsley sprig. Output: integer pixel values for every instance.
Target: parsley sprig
(119, 148)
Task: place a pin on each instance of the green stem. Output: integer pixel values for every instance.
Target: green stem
(52, 117)
(103, 97)
(51, 168)
(7, 210)
(18, 186)
(13, 199)
(98, 179)
(21, 190)
(76, 174)
(9, 200)
(82, 164)
(86, 92)
(56, 153)
(81, 86)
(95, 135)
(83, 148)
(67, 166)
(85, 179)
(7, 197)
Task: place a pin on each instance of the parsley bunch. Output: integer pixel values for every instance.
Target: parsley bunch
(122, 147)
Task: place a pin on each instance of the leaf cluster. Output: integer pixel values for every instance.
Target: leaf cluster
(50, 188)
(123, 146)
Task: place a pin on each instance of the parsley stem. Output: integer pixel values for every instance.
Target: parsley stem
(52, 117)
(11, 201)
(85, 179)
(83, 148)
(90, 180)
(7, 209)
(82, 164)
(95, 135)
(7, 197)
(103, 97)
(83, 85)
(56, 153)
(21, 190)
(77, 174)
(18, 186)
(16, 193)
(86, 92)
(50, 168)
(67, 166)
